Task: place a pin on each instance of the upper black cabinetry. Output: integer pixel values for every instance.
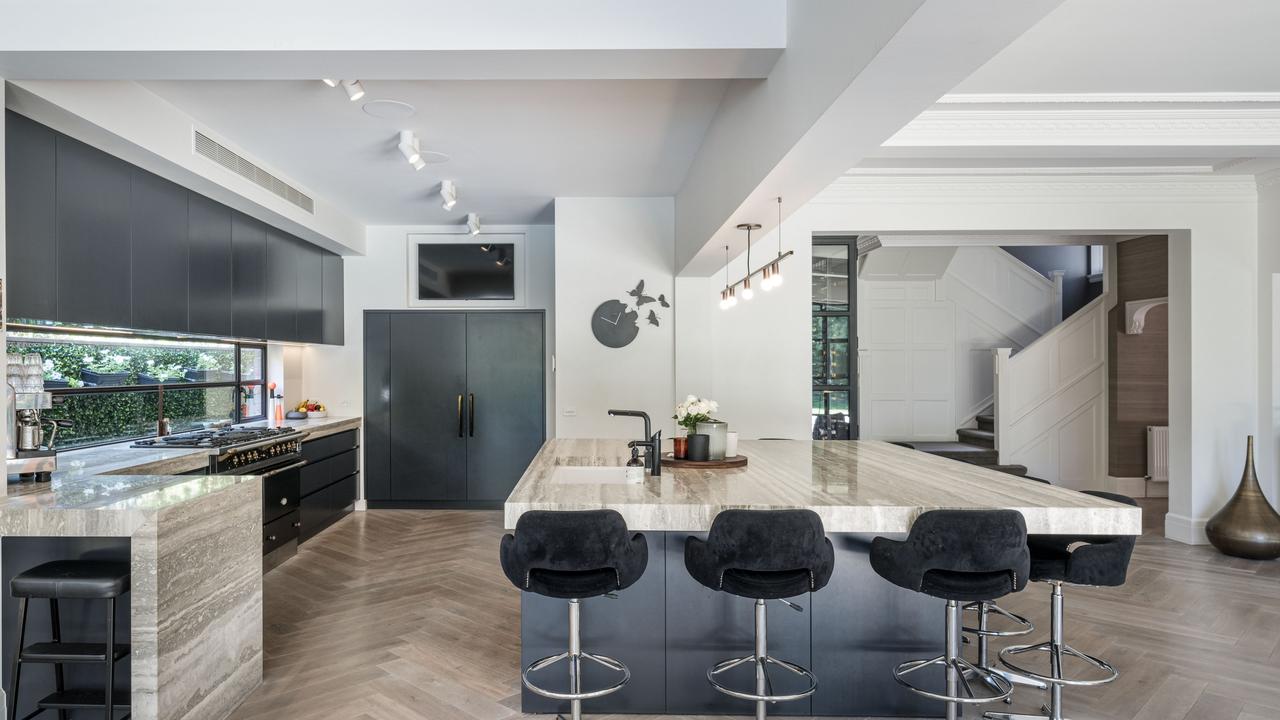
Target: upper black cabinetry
(94, 240)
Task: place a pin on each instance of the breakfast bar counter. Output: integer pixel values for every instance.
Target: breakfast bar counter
(669, 629)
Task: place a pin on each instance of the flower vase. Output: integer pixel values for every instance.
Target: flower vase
(718, 432)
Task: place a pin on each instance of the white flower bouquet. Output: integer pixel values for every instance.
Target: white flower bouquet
(693, 411)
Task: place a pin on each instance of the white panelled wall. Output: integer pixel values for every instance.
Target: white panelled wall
(925, 363)
(760, 350)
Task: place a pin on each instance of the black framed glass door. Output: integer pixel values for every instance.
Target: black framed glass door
(834, 339)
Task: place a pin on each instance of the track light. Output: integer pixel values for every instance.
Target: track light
(409, 146)
(502, 260)
(448, 194)
(473, 224)
(354, 89)
(329, 82)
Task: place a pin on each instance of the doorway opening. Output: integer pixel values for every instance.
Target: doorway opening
(834, 340)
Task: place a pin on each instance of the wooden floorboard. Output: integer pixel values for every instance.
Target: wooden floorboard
(405, 615)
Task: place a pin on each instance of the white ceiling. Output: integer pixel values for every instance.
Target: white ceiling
(514, 145)
(1124, 46)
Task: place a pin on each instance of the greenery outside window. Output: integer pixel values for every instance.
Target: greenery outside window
(116, 388)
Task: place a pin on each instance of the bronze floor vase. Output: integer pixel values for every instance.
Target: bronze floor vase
(1247, 526)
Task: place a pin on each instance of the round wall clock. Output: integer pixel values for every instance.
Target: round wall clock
(614, 325)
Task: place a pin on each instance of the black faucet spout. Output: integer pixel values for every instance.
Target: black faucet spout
(648, 432)
(652, 442)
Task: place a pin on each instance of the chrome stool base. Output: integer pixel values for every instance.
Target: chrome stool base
(1058, 650)
(574, 657)
(984, 633)
(763, 695)
(960, 673)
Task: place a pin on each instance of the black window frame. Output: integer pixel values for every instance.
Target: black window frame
(235, 383)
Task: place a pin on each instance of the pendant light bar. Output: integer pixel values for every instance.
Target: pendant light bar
(770, 273)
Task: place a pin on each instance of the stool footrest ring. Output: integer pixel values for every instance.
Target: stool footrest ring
(1025, 626)
(765, 661)
(1060, 651)
(548, 661)
(965, 670)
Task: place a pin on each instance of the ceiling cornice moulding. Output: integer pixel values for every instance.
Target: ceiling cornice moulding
(853, 189)
(1031, 171)
(1110, 127)
(1113, 98)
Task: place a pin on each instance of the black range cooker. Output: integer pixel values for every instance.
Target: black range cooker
(273, 453)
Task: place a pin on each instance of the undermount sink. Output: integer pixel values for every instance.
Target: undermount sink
(589, 475)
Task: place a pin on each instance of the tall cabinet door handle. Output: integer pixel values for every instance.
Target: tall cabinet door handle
(460, 427)
(472, 413)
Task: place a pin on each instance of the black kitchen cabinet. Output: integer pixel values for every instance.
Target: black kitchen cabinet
(455, 405)
(506, 408)
(328, 482)
(209, 266)
(331, 300)
(30, 221)
(428, 406)
(248, 277)
(93, 241)
(160, 230)
(282, 286)
(310, 264)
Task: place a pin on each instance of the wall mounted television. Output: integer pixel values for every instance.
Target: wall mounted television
(465, 270)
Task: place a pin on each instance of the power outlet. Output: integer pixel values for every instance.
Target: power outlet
(570, 412)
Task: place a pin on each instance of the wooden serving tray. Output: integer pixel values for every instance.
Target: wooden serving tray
(737, 461)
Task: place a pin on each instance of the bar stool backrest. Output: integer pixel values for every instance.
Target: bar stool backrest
(573, 542)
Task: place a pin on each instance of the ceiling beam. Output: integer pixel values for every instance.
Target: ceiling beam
(853, 74)
(393, 39)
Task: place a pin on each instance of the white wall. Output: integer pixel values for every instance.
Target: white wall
(754, 358)
(604, 247)
(4, 291)
(1268, 443)
(334, 375)
(1213, 227)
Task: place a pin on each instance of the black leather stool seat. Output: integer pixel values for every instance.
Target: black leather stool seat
(573, 554)
(961, 555)
(80, 579)
(1094, 560)
(762, 554)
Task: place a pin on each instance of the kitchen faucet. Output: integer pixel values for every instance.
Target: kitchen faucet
(652, 442)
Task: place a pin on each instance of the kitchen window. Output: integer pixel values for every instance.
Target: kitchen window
(115, 388)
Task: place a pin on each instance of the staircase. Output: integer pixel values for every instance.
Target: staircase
(976, 446)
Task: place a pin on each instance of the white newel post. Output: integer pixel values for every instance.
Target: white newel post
(1002, 397)
(1056, 276)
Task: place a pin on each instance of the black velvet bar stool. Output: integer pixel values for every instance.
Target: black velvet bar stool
(70, 580)
(1085, 560)
(573, 556)
(959, 556)
(762, 555)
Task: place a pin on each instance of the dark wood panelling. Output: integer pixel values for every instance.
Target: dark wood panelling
(30, 221)
(248, 276)
(1138, 365)
(209, 266)
(160, 229)
(93, 236)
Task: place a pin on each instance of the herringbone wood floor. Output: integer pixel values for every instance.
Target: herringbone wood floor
(404, 615)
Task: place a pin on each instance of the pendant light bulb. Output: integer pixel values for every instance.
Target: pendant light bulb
(766, 278)
(775, 274)
(747, 292)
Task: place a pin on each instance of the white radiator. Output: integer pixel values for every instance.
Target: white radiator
(1158, 453)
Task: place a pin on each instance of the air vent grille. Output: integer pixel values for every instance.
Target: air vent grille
(215, 151)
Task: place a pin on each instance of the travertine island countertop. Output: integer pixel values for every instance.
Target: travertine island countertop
(195, 548)
(856, 487)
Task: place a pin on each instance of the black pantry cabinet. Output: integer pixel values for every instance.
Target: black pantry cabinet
(455, 405)
(92, 239)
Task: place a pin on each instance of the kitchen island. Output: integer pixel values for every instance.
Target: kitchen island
(669, 629)
(195, 547)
